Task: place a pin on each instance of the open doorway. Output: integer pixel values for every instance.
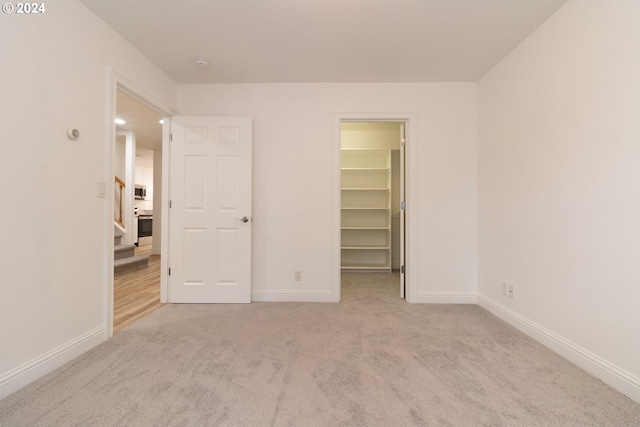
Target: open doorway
(137, 243)
(372, 200)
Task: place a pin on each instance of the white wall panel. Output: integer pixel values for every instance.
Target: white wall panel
(227, 182)
(195, 270)
(194, 183)
(227, 243)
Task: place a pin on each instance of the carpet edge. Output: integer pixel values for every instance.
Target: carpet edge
(614, 376)
(16, 378)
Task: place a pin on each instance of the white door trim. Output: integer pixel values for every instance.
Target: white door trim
(116, 81)
(403, 249)
(411, 173)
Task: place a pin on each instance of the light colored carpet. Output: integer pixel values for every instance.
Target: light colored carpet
(372, 360)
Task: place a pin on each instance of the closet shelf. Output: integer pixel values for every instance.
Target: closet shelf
(366, 209)
(385, 170)
(365, 228)
(366, 206)
(366, 189)
(365, 248)
(365, 149)
(364, 267)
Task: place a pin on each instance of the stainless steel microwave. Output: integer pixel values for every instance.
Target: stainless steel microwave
(140, 192)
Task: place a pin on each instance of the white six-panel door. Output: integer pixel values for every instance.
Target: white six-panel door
(210, 210)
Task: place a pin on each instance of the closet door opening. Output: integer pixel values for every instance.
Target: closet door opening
(371, 200)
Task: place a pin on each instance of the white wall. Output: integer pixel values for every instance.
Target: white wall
(157, 202)
(54, 75)
(371, 135)
(559, 187)
(292, 181)
(119, 161)
(145, 176)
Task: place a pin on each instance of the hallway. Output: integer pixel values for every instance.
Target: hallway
(136, 294)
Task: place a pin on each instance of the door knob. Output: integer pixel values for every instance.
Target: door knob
(243, 219)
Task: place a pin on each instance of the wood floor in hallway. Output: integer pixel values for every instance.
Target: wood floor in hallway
(136, 294)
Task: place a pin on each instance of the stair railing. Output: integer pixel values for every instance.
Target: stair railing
(119, 189)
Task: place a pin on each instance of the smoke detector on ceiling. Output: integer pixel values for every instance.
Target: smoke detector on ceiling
(201, 63)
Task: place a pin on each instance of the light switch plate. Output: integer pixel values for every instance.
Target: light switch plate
(102, 190)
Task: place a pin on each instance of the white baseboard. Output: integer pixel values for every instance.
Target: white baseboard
(28, 372)
(434, 297)
(286, 295)
(617, 378)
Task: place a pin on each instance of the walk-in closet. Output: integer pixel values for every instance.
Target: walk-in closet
(370, 196)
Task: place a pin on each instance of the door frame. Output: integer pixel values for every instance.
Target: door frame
(411, 196)
(115, 82)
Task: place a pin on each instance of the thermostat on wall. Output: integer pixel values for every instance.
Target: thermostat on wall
(73, 133)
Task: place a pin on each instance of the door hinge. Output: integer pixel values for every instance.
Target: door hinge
(169, 271)
(402, 269)
(170, 137)
(402, 205)
(403, 142)
(170, 204)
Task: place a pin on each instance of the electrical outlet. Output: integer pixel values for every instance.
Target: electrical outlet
(504, 289)
(297, 275)
(510, 291)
